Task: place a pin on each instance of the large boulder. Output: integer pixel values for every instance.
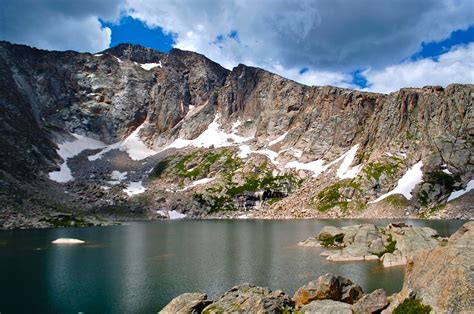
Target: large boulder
(327, 307)
(443, 277)
(247, 298)
(329, 286)
(187, 303)
(371, 303)
(329, 232)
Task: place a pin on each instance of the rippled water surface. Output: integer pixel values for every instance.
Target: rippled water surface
(139, 267)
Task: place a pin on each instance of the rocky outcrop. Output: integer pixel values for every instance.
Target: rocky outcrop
(443, 277)
(371, 303)
(187, 303)
(326, 151)
(392, 245)
(330, 287)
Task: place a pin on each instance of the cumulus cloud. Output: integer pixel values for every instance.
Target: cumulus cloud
(58, 25)
(335, 35)
(457, 66)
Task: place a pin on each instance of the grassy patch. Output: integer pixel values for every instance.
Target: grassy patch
(330, 196)
(330, 241)
(389, 248)
(375, 170)
(412, 306)
(221, 197)
(397, 200)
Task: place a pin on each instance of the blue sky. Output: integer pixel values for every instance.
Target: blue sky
(366, 44)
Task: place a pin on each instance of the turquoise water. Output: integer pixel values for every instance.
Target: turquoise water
(140, 267)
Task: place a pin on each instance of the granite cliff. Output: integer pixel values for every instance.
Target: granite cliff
(133, 132)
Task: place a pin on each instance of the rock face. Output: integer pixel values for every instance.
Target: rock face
(293, 150)
(329, 286)
(186, 303)
(392, 245)
(443, 278)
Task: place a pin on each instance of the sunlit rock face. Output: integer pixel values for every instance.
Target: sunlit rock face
(200, 140)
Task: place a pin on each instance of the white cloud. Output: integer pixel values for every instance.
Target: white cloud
(336, 36)
(58, 25)
(456, 65)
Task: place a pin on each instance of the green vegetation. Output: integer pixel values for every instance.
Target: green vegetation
(439, 178)
(225, 195)
(159, 169)
(389, 248)
(195, 165)
(330, 196)
(397, 200)
(412, 306)
(375, 170)
(330, 241)
(218, 197)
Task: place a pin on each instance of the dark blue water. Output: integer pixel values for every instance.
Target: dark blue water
(138, 268)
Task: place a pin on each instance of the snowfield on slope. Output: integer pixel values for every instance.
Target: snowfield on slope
(70, 149)
(406, 184)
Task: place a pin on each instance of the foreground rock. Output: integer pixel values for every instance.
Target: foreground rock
(330, 287)
(248, 298)
(67, 241)
(371, 303)
(327, 307)
(443, 278)
(187, 303)
(392, 245)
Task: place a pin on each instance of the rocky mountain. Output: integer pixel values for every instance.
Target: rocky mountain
(133, 132)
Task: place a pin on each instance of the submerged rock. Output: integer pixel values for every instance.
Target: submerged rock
(67, 241)
(187, 303)
(329, 286)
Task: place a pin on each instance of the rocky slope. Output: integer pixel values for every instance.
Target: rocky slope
(135, 132)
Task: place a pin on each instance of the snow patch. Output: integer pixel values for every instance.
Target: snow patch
(118, 59)
(176, 215)
(118, 176)
(235, 125)
(317, 166)
(212, 136)
(67, 241)
(134, 188)
(278, 139)
(149, 66)
(70, 149)
(197, 182)
(292, 151)
(454, 195)
(407, 183)
(132, 145)
(344, 171)
(98, 55)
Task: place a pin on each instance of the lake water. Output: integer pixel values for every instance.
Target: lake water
(140, 267)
